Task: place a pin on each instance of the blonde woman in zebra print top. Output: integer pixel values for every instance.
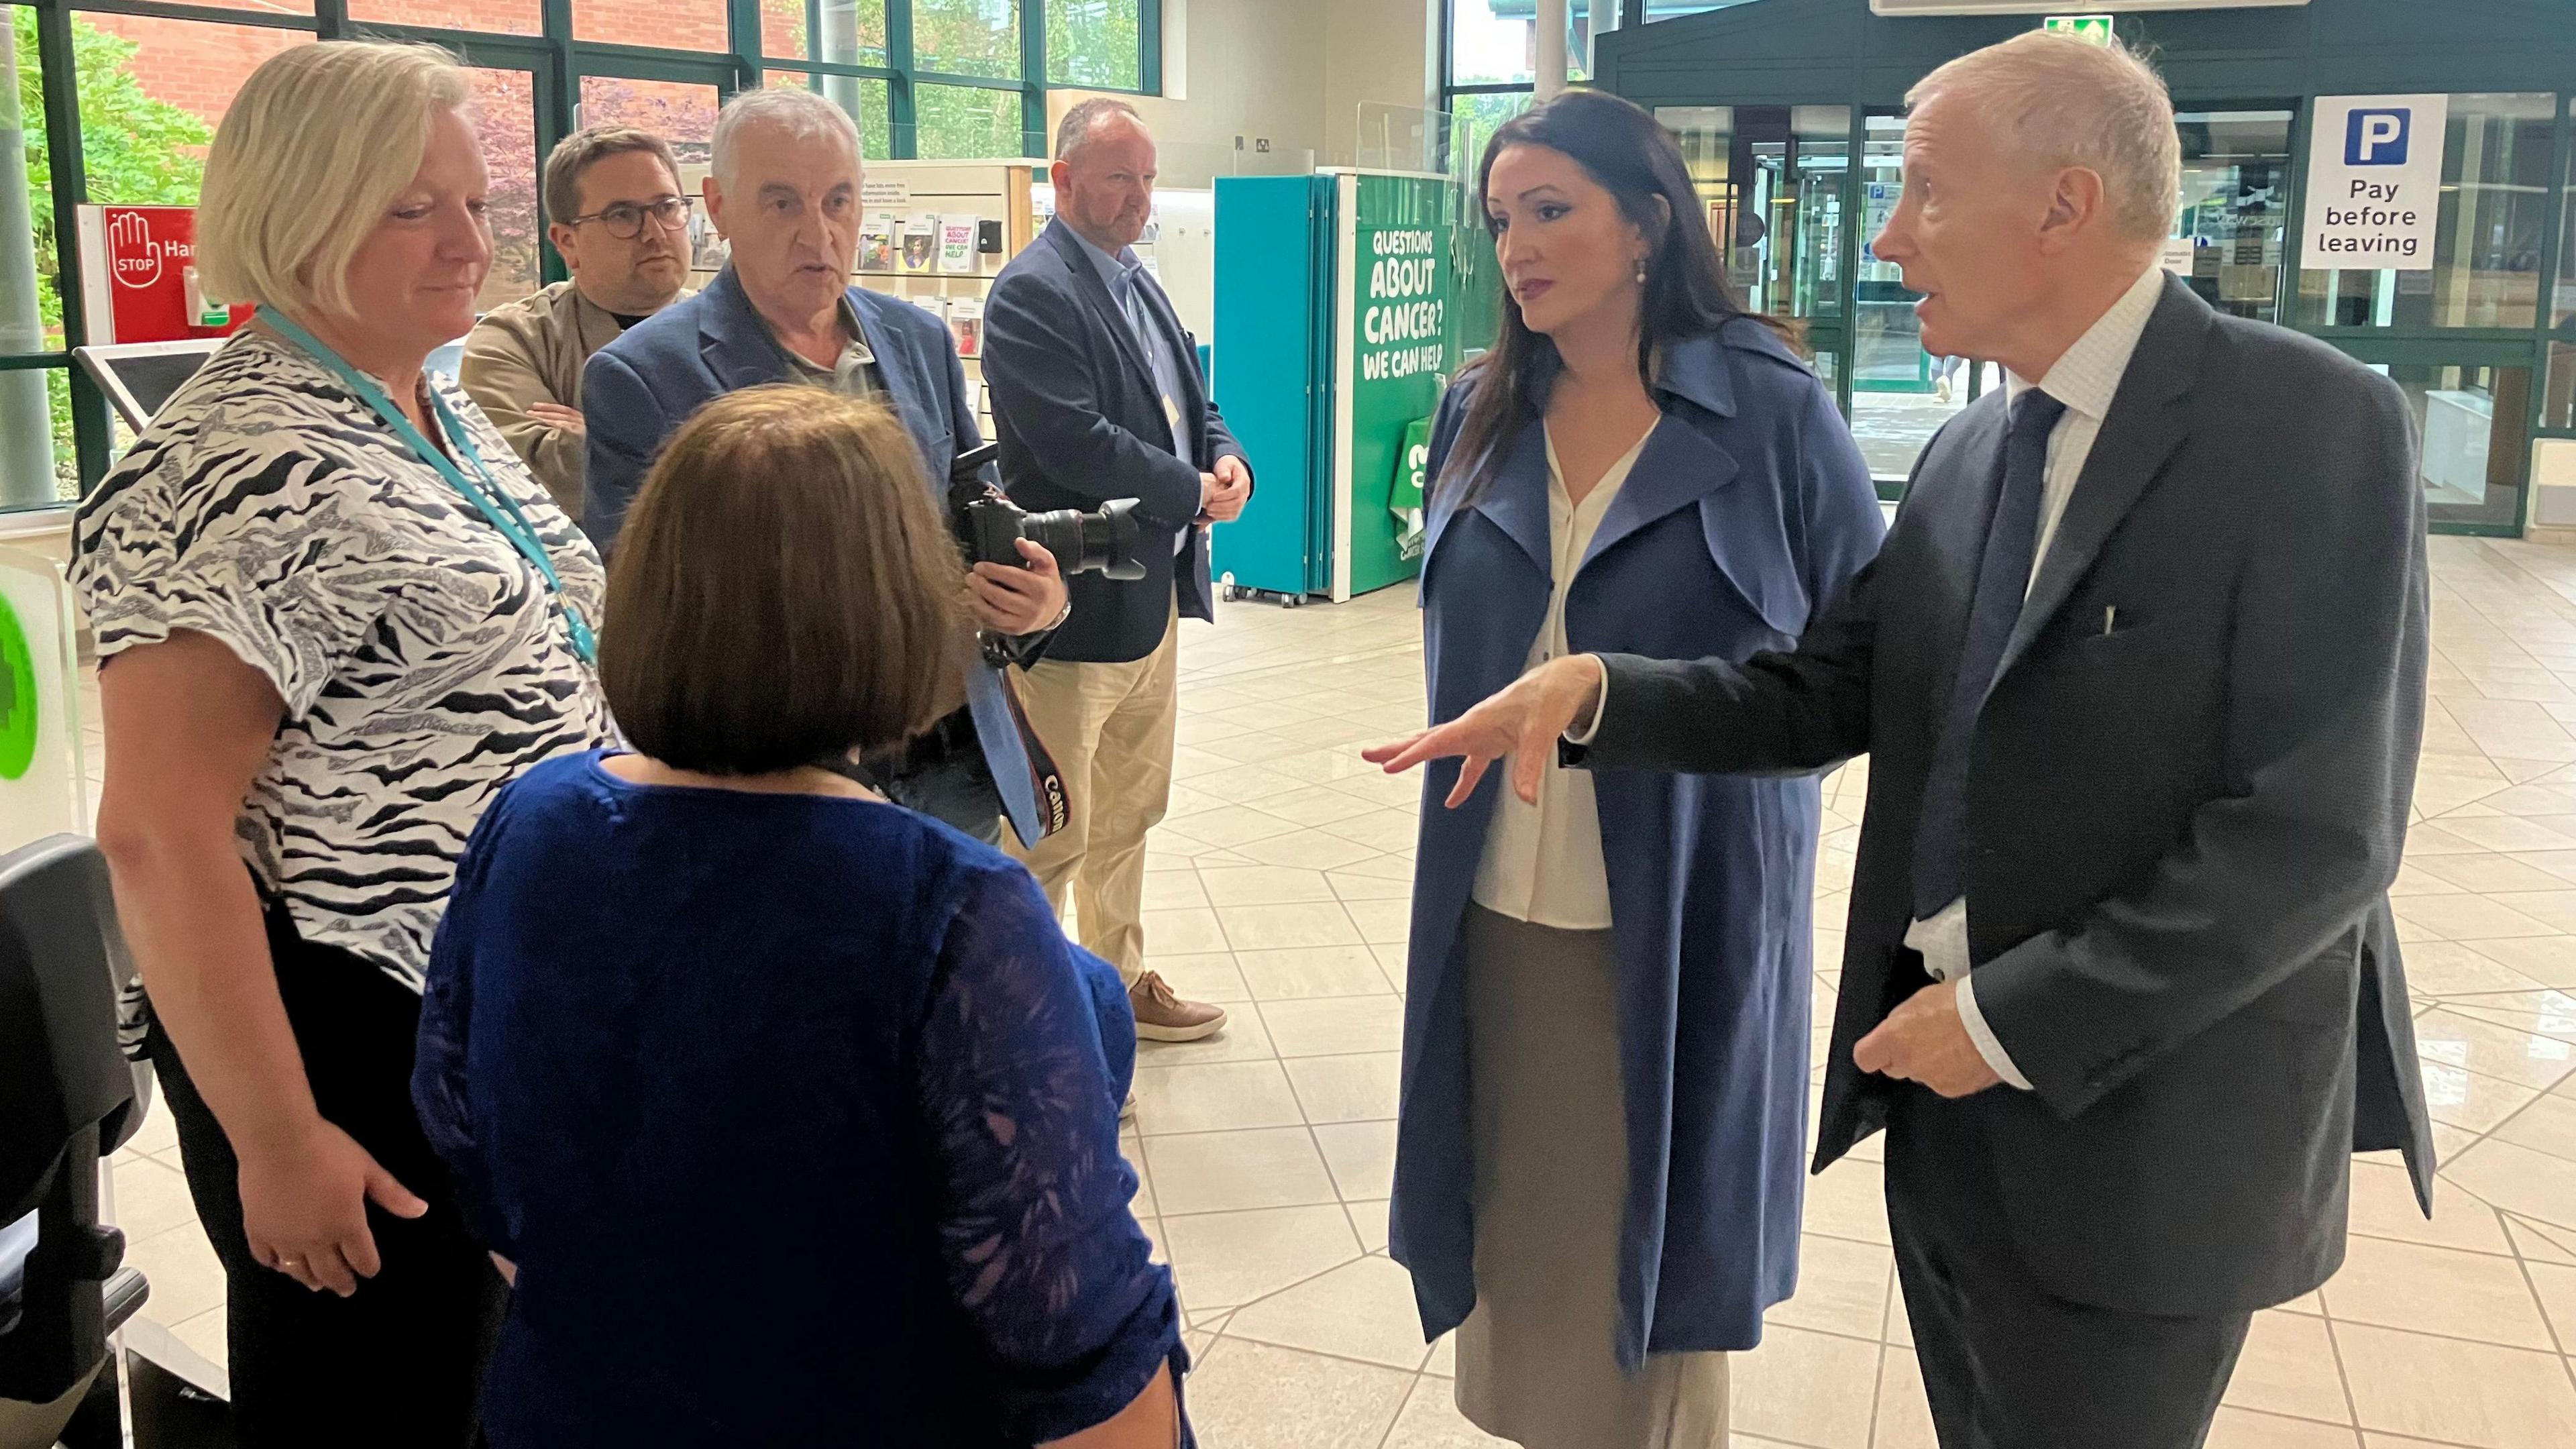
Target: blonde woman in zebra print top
(322, 658)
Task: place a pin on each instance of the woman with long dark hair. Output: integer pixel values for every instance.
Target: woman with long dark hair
(1598, 1170)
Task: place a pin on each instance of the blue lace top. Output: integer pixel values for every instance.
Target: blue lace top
(799, 1117)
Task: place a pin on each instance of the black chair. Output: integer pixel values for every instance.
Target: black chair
(66, 1100)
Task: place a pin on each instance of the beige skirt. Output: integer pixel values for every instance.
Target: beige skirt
(1536, 1362)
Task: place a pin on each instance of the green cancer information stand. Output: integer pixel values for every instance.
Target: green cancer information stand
(1345, 302)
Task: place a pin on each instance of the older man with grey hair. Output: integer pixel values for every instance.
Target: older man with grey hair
(2140, 672)
(785, 194)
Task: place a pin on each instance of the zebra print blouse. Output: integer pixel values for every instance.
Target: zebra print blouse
(419, 658)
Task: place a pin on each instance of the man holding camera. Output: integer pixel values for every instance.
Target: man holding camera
(1097, 397)
(785, 195)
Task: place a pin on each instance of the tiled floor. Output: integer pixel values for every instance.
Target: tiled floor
(1279, 886)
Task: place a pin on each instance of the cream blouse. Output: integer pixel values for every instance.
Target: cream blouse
(1542, 863)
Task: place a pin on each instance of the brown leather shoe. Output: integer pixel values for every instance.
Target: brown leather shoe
(1163, 1016)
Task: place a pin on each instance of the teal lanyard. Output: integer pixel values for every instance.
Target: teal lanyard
(489, 498)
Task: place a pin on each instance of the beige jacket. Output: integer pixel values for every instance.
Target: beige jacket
(532, 352)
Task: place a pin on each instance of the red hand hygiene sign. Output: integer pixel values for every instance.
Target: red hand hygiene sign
(139, 264)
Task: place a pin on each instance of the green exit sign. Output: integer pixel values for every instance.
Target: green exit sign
(2094, 28)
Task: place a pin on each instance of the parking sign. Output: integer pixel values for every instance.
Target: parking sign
(2377, 138)
(2374, 182)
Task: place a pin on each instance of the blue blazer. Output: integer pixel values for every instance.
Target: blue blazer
(636, 391)
(1080, 422)
(1747, 510)
(639, 389)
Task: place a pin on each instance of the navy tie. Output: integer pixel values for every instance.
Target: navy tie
(2003, 581)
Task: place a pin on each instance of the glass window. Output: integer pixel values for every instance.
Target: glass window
(2475, 423)
(959, 123)
(2235, 185)
(1771, 179)
(967, 37)
(2561, 409)
(43, 470)
(505, 115)
(1901, 395)
(1094, 43)
(1496, 41)
(848, 32)
(669, 24)
(39, 467)
(683, 114)
(864, 98)
(1474, 119)
(502, 17)
(2488, 241)
(152, 92)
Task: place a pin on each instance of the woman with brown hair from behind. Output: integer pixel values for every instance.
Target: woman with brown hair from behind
(712, 985)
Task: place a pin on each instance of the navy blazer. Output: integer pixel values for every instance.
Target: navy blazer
(637, 390)
(1748, 508)
(1081, 422)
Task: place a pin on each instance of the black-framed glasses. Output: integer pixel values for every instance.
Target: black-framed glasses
(625, 220)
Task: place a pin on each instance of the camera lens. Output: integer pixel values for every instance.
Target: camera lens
(1059, 532)
(1103, 542)
(1110, 537)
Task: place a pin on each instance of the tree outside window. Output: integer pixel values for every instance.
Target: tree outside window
(136, 149)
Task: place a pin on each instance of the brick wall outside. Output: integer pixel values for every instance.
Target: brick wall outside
(199, 65)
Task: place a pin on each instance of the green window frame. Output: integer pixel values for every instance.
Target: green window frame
(556, 63)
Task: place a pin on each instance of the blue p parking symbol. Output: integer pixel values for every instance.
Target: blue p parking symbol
(2377, 138)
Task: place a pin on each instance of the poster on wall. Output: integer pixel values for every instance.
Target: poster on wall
(139, 265)
(2374, 182)
(1403, 348)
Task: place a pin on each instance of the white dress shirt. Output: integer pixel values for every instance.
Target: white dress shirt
(1542, 863)
(2085, 379)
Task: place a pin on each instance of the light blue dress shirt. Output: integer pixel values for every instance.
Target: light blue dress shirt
(1127, 281)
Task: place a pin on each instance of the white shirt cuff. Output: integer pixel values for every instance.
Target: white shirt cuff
(1984, 1035)
(1600, 704)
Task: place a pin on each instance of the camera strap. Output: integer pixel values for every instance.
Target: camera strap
(1024, 772)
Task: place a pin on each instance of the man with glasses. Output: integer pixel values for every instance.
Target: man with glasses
(618, 218)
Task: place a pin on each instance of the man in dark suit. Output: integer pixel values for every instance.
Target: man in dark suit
(785, 193)
(2140, 672)
(1097, 395)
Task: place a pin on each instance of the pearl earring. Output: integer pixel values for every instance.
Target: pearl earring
(1641, 273)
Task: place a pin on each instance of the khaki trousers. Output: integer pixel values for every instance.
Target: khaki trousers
(1110, 728)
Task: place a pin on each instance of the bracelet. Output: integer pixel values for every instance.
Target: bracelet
(1061, 615)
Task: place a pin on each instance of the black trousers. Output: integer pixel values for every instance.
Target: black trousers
(2006, 1364)
(400, 1363)
(941, 774)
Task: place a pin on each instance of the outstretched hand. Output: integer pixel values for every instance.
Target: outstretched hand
(1524, 721)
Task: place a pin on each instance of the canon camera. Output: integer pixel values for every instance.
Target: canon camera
(989, 526)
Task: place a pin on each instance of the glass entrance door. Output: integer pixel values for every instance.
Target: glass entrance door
(1901, 395)
(2235, 200)
(1772, 182)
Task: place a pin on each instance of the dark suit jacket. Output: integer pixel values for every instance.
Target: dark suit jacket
(2182, 831)
(1081, 422)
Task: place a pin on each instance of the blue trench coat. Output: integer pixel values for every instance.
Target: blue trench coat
(1749, 507)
